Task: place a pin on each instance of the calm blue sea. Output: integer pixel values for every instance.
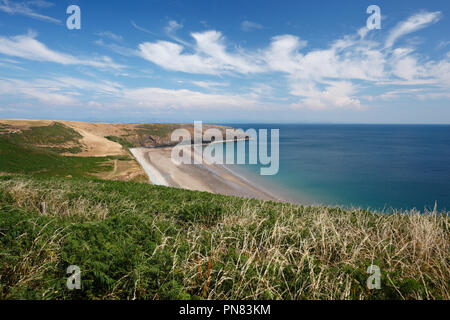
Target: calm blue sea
(381, 167)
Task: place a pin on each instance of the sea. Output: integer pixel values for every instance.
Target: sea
(379, 167)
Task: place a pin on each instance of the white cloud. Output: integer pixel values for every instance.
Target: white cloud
(110, 35)
(348, 58)
(414, 23)
(170, 56)
(210, 84)
(434, 95)
(27, 47)
(440, 71)
(210, 56)
(25, 9)
(443, 44)
(100, 87)
(212, 44)
(143, 29)
(362, 32)
(338, 94)
(318, 78)
(345, 60)
(45, 95)
(396, 93)
(407, 68)
(173, 26)
(60, 90)
(283, 54)
(248, 26)
(40, 3)
(49, 98)
(184, 99)
(94, 104)
(69, 91)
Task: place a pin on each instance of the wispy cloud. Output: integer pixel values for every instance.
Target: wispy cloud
(143, 29)
(248, 26)
(27, 47)
(117, 48)
(110, 35)
(396, 93)
(71, 91)
(443, 44)
(210, 84)
(157, 98)
(414, 23)
(32, 90)
(26, 9)
(173, 26)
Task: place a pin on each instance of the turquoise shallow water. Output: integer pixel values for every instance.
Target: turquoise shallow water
(381, 167)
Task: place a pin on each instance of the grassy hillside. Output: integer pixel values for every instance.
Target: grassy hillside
(17, 158)
(55, 137)
(134, 240)
(43, 148)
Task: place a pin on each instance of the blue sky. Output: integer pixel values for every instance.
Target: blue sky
(226, 61)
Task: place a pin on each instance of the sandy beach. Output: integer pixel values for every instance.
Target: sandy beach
(213, 178)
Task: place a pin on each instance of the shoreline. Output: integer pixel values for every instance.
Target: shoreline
(213, 178)
(153, 174)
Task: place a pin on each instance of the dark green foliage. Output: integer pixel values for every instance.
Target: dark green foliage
(121, 141)
(201, 212)
(160, 130)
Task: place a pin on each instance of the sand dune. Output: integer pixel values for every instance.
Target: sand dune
(97, 144)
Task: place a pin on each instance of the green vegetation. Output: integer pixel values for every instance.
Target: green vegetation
(161, 130)
(145, 135)
(134, 240)
(123, 142)
(24, 158)
(54, 134)
(61, 150)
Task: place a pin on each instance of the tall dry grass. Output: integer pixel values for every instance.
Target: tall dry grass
(320, 248)
(253, 250)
